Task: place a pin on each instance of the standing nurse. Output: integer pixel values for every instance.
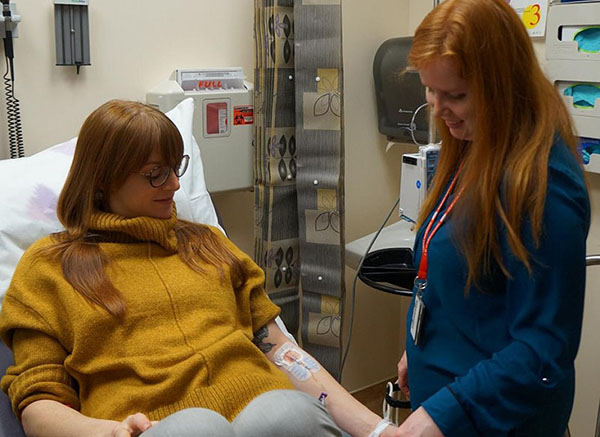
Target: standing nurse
(495, 321)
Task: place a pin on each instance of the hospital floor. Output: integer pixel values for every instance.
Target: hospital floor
(373, 397)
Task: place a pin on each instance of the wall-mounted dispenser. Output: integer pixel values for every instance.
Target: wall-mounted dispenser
(400, 95)
(72, 32)
(223, 121)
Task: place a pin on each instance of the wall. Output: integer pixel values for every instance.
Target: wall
(134, 45)
(372, 186)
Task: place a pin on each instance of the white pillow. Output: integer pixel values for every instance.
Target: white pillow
(31, 187)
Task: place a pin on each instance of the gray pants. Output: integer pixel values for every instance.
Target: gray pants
(276, 413)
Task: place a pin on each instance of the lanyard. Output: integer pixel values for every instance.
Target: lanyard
(421, 278)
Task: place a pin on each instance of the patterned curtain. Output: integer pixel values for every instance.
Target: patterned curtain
(299, 167)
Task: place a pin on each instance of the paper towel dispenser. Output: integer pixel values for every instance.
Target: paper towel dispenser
(399, 93)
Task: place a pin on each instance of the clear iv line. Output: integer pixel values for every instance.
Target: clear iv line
(413, 127)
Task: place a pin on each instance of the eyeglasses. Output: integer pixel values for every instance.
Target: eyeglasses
(158, 175)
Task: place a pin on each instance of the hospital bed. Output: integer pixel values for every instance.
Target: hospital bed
(29, 213)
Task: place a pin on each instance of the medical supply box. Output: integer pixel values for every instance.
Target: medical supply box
(573, 66)
(223, 121)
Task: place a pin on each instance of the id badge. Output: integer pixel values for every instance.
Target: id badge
(416, 323)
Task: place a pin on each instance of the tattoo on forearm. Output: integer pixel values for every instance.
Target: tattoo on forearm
(259, 337)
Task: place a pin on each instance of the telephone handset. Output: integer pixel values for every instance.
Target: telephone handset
(8, 35)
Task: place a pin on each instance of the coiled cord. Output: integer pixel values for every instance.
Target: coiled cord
(13, 114)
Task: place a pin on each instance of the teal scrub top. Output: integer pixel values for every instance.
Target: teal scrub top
(501, 363)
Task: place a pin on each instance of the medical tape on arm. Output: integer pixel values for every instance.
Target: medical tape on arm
(383, 424)
(297, 362)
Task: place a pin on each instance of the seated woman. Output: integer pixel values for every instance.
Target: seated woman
(132, 321)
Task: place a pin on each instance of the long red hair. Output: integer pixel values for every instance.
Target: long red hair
(115, 140)
(519, 112)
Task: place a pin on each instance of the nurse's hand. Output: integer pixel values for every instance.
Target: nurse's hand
(403, 375)
(419, 424)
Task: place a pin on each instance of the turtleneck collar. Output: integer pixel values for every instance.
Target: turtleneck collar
(160, 231)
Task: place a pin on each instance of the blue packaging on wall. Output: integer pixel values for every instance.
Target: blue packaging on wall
(588, 147)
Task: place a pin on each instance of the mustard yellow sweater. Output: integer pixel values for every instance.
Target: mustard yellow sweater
(186, 340)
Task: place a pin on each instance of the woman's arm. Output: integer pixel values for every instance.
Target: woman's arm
(347, 412)
(47, 418)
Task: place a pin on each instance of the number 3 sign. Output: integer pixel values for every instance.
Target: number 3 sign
(533, 14)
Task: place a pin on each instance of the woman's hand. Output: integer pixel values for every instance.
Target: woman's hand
(132, 426)
(51, 418)
(403, 375)
(419, 424)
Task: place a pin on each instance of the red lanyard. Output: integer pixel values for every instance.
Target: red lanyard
(427, 235)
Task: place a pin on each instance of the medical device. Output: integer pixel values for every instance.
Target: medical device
(72, 32)
(297, 362)
(400, 102)
(8, 31)
(417, 174)
(223, 121)
(392, 269)
(393, 401)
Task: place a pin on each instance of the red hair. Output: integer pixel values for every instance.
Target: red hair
(518, 114)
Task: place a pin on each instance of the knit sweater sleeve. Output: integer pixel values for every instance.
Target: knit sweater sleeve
(253, 301)
(544, 312)
(39, 372)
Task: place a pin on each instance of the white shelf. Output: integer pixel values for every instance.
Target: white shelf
(570, 14)
(573, 71)
(594, 165)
